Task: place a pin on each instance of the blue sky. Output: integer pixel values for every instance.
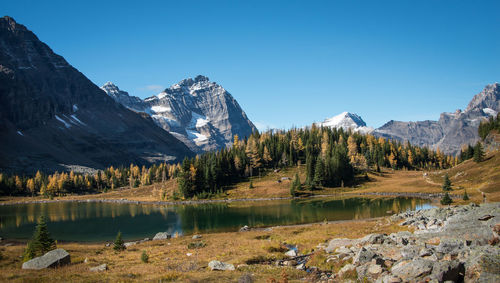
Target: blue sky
(288, 63)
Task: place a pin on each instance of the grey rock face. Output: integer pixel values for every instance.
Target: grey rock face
(51, 115)
(57, 257)
(200, 113)
(217, 265)
(452, 130)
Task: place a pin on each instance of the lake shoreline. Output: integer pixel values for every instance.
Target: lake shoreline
(429, 196)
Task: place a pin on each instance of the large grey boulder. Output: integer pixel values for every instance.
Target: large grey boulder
(337, 243)
(448, 271)
(218, 265)
(410, 270)
(57, 257)
(363, 256)
(162, 236)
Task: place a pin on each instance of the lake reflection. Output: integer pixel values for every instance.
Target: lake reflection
(88, 221)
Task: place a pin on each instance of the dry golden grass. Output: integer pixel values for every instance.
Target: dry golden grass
(168, 260)
(474, 177)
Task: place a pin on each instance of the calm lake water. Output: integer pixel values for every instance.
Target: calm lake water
(94, 222)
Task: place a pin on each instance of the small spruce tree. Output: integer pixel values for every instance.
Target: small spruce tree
(478, 153)
(465, 196)
(446, 199)
(250, 186)
(29, 252)
(144, 257)
(42, 241)
(446, 183)
(119, 245)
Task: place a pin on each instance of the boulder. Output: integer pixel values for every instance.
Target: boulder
(162, 236)
(337, 243)
(246, 278)
(244, 228)
(448, 271)
(128, 244)
(346, 268)
(99, 268)
(291, 253)
(363, 256)
(196, 237)
(54, 258)
(374, 270)
(218, 265)
(410, 270)
(450, 246)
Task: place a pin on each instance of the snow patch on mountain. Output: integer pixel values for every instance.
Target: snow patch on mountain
(346, 121)
(490, 112)
(200, 113)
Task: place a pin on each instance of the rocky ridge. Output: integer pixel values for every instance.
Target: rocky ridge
(200, 113)
(449, 244)
(452, 130)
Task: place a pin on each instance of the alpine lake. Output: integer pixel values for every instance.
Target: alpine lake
(101, 221)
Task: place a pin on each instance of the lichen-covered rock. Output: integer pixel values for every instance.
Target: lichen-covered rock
(162, 236)
(410, 269)
(54, 258)
(218, 265)
(99, 268)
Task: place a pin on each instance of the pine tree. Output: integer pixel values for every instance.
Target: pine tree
(465, 196)
(42, 241)
(319, 172)
(478, 152)
(144, 257)
(296, 185)
(119, 245)
(29, 252)
(446, 183)
(446, 199)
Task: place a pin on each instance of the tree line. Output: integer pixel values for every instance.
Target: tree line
(331, 157)
(486, 127)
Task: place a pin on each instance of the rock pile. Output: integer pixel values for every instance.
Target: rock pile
(449, 244)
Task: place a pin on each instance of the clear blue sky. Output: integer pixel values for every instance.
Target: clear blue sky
(286, 62)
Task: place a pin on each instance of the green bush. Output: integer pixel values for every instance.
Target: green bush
(446, 199)
(119, 245)
(144, 257)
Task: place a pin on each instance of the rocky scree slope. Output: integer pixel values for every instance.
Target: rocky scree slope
(52, 116)
(452, 130)
(456, 244)
(200, 113)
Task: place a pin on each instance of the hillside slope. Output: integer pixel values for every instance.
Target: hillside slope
(52, 117)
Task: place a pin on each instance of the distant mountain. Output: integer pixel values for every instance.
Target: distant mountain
(346, 121)
(200, 113)
(52, 116)
(452, 130)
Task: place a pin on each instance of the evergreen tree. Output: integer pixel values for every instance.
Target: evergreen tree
(29, 252)
(446, 199)
(144, 257)
(250, 186)
(119, 245)
(319, 173)
(465, 196)
(478, 152)
(42, 241)
(296, 185)
(446, 183)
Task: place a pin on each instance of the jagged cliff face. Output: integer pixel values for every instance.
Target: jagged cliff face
(200, 113)
(51, 115)
(452, 130)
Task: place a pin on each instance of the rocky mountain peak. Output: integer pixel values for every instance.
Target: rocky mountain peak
(346, 121)
(489, 97)
(200, 113)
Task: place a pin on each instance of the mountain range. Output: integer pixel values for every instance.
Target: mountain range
(449, 133)
(52, 117)
(200, 113)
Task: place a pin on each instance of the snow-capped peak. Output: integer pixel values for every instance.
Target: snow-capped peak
(346, 121)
